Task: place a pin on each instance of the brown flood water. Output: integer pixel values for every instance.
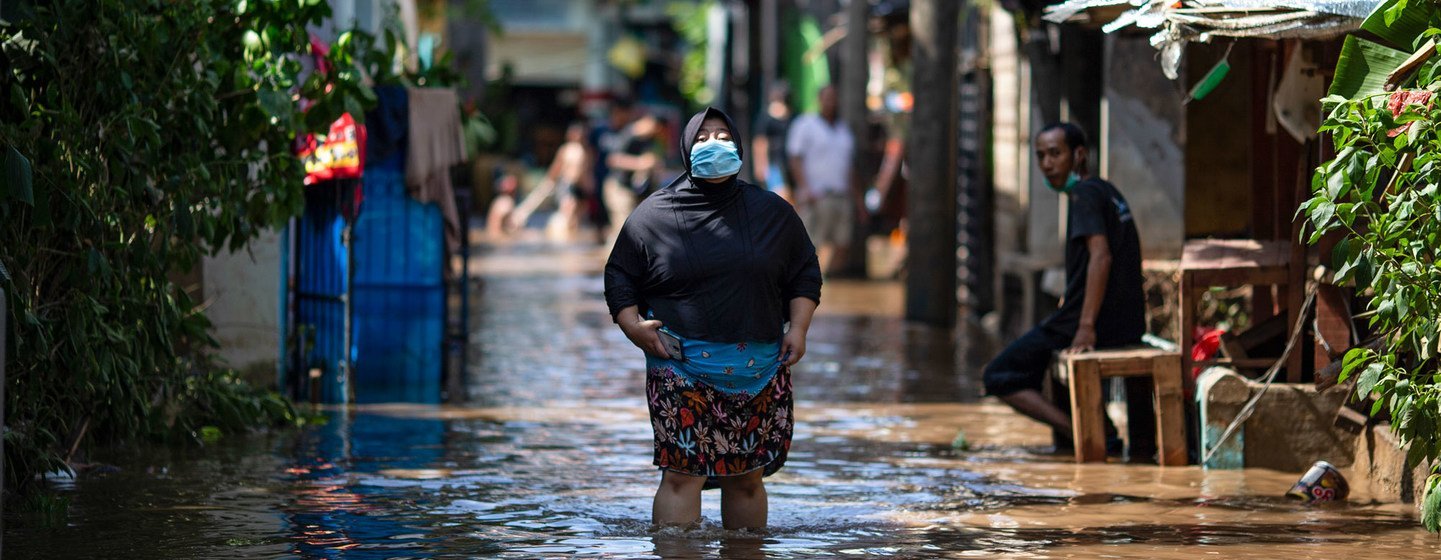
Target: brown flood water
(550, 458)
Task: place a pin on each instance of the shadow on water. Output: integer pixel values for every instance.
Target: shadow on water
(550, 458)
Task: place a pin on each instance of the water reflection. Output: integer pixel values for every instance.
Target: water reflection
(549, 458)
(347, 471)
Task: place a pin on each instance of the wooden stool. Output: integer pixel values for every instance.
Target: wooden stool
(1083, 372)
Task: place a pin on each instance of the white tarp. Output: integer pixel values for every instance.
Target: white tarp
(1176, 23)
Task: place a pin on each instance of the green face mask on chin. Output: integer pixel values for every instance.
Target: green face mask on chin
(1071, 181)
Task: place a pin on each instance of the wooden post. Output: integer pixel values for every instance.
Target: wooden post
(931, 203)
(1088, 433)
(854, 76)
(1189, 296)
(4, 326)
(1170, 418)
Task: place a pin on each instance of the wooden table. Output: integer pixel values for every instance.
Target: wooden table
(1235, 262)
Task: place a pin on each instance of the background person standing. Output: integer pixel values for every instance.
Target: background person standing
(632, 168)
(821, 150)
(606, 138)
(770, 143)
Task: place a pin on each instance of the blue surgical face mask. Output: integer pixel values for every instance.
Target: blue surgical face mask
(714, 158)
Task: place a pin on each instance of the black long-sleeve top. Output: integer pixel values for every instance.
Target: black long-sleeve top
(715, 262)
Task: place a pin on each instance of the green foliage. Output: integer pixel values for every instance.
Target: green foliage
(1381, 195)
(44, 509)
(149, 133)
(692, 23)
(1399, 22)
(1431, 505)
(1362, 68)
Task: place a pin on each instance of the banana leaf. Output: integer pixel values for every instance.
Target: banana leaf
(1363, 68)
(1400, 22)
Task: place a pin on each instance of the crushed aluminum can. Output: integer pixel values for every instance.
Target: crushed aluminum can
(1323, 483)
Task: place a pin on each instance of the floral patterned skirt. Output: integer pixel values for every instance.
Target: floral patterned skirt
(702, 431)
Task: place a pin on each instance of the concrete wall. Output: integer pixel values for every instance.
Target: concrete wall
(1142, 143)
(243, 289)
(1292, 427)
(1379, 469)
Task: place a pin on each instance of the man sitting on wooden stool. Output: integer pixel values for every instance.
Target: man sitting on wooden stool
(1104, 300)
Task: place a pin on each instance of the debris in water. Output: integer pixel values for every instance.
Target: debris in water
(960, 443)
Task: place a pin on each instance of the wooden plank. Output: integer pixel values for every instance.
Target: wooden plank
(1260, 332)
(1188, 323)
(1240, 276)
(1140, 367)
(4, 323)
(1118, 363)
(1248, 363)
(1087, 428)
(1120, 353)
(1413, 62)
(1295, 298)
(1333, 323)
(1170, 419)
(1222, 254)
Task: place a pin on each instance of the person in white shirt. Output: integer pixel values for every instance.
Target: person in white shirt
(821, 149)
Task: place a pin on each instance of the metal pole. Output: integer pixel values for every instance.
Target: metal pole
(347, 368)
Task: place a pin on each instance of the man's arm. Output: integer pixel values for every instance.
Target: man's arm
(627, 162)
(1098, 272)
(795, 141)
(798, 176)
(761, 147)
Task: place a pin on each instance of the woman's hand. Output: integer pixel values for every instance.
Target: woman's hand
(793, 344)
(793, 347)
(643, 334)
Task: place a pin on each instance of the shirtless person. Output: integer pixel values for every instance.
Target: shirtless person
(567, 178)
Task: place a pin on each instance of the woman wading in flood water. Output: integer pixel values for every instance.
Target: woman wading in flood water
(704, 278)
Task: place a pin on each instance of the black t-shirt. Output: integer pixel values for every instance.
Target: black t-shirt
(1096, 207)
(774, 130)
(632, 145)
(604, 140)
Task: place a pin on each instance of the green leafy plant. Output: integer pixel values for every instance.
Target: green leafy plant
(138, 136)
(1381, 195)
(692, 22)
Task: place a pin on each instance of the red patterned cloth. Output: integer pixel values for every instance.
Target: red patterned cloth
(702, 431)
